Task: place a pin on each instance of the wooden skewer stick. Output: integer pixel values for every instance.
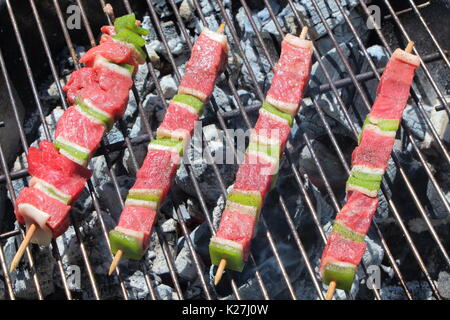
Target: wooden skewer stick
(221, 28)
(409, 47)
(330, 291)
(220, 270)
(115, 261)
(15, 262)
(304, 33)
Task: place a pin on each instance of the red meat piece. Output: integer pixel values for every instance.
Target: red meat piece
(47, 164)
(237, 227)
(111, 50)
(139, 219)
(107, 90)
(157, 171)
(343, 250)
(373, 151)
(291, 74)
(179, 118)
(75, 127)
(269, 127)
(208, 60)
(58, 211)
(396, 80)
(254, 174)
(357, 213)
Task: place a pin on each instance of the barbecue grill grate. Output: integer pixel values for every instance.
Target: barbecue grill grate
(353, 79)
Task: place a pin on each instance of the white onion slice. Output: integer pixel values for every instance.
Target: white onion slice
(43, 235)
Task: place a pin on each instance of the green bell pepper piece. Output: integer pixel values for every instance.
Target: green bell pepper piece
(143, 197)
(129, 22)
(343, 276)
(84, 157)
(194, 102)
(366, 176)
(168, 142)
(369, 185)
(268, 107)
(245, 199)
(271, 150)
(234, 257)
(108, 122)
(347, 233)
(130, 247)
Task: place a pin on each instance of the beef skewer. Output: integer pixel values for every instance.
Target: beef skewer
(230, 247)
(98, 94)
(130, 238)
(345, 245)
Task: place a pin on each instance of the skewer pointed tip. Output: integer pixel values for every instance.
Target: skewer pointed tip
(109, 10)
(409, 47)
(303, 33)
(220, 270)
(115, 261)
(331, 290)
(221, 28)
(30, 232)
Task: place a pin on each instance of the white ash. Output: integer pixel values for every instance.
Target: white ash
(114, 135)
(185, 214)
(443, 284)
(156, 46)
(261, 70)
(203, 171)
(187, 10)
(185, 266)
(108, 196)
(164, 292)
(159, 264)
(169, 225)
(130, 112)
(139, 290)
(222, 100)
(168, 86)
